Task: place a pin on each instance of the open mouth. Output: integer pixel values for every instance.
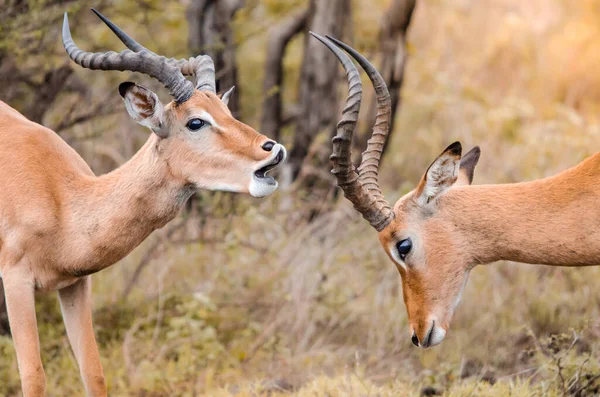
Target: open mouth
(261, 173)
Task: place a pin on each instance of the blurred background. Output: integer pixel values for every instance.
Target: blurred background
(292, 294)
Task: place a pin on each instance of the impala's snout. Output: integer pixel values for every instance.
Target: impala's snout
(263, 184)
(430, 335)
(268, 146)
(415, 340)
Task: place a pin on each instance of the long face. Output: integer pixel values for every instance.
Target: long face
(432, 259)
(418, 234)
(204, 144)
(215, 151)
(434, 272)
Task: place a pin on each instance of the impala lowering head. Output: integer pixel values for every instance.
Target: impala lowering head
(202, 142)
(415, 234)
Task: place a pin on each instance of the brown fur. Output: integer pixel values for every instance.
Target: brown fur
(59, 222)
(539, 222)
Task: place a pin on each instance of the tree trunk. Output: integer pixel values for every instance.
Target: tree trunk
(210, 33)
(392, 38)
(46, 93)
(317, 92)
(272, 110)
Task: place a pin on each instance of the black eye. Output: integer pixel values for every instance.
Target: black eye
(195, 124)
(404, 247)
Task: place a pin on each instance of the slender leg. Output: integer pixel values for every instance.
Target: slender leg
(20, 302)
(76, 305)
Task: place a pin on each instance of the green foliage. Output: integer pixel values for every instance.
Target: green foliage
(254, 298)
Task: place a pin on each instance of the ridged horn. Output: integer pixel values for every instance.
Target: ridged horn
(144, 62)
(368, 201)
(202, 66)
(369, 166)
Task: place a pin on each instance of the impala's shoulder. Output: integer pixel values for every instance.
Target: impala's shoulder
(588, 168)
(5, 107)
(592, 162)
(34, 150)
(10, 115)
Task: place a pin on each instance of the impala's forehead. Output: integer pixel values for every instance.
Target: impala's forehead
(202, 102)
(407, 209)
(404, 203)
(405, 223)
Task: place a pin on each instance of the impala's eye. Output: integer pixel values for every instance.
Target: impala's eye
(195, 124)
(404, 247)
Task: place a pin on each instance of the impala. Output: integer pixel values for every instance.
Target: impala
(438, 232)
(59, 223)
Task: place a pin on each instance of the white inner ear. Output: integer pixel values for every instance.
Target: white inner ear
(226, 95)
(144, 107)
(441, 175)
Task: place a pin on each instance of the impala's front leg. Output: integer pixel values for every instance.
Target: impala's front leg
(76, 305)
(20, 302)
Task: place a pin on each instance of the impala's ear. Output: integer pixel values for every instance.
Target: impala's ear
(467, 166)
(226, 95)
(440, 175)
(144, 107)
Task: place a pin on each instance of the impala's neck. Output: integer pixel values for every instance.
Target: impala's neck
(117, 211)
(553, 221)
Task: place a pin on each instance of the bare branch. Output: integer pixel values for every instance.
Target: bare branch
(392, 37)
(272, 118)
(317, 99)
(210, 33)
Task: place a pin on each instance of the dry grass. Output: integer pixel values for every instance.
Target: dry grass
(248, 298)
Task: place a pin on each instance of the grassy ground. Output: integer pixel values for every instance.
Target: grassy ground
(275, 306)
(248, 297)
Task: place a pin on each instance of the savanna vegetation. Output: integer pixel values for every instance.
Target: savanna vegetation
(292, 294)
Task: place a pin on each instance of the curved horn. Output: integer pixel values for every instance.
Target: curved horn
(201, 66)
(369, 166)
(128, 41)
(143, 62)
(373, 210)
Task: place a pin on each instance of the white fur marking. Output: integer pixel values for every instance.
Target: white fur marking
(223, 187)
(204, 115)
(437, 336)
(462, 289)
(396, 256)
(261, 187)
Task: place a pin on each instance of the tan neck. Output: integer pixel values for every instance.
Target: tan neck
(117, 211)
(553, 221)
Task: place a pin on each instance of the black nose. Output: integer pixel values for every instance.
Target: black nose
(268, 146)
(415, 340)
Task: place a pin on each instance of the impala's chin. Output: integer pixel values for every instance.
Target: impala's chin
(262, 184)
(261, 187)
